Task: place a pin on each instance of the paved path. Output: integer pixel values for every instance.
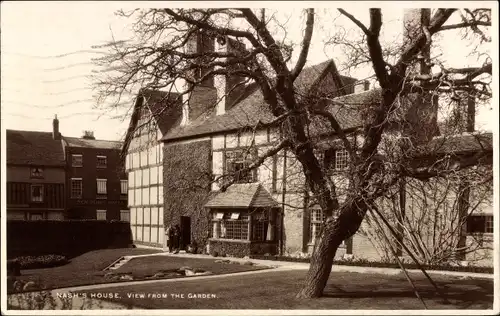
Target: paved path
(335, 268)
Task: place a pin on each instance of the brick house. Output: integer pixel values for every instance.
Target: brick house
(35, 174)
(183, 147)
(96, 184)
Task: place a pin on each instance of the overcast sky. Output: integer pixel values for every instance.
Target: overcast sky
(46, 58)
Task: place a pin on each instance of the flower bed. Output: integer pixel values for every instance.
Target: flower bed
(374, 264)
(37, 262)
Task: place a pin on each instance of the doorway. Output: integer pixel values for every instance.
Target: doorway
(185, 232)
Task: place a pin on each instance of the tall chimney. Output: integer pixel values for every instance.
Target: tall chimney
(229, 86)
(420, 123)
(55, 129)
(200, 98)
(362, 85)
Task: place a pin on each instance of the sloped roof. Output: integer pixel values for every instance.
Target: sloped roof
(92, 143)
(243, 195)
(33, 148)
(157, 101)
(252, 109)
(162, 106)
(459, 143)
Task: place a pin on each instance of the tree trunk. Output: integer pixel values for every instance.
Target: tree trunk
(333, 233)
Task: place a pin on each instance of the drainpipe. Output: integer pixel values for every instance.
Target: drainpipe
(282, 228)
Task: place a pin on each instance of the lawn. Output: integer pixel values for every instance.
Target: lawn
(87, 268)
(81, 270)
(276, 290)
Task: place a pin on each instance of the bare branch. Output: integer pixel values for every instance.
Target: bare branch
(306, 42)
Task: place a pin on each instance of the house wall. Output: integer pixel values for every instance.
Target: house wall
(18, 193)
(368, 243)
(144, 168)
(187, 178)
(87, 205)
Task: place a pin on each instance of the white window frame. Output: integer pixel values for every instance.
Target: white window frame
(73, 164)
(99, 215)
(102, 192)
(36, 172)
(37, 199)
(124, 187)
(122, 213)
(223, 225)
(102, 166)
(79, 196)
(317, 218)
(341, 159)
(36, 216)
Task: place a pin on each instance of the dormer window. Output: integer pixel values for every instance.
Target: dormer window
(37, 173)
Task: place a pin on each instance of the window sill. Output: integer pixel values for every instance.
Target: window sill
(230, 240)
(311, 244)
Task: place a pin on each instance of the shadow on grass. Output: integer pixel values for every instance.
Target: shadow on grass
(480, 297)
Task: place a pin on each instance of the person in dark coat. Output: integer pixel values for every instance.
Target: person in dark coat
(170, 238)
(177, 238)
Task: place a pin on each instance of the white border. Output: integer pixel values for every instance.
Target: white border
(353, 5)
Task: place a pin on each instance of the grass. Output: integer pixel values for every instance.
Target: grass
(277, 289)
(87, 268)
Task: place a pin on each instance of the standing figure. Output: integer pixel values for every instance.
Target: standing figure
(177, 238)
(170, 237)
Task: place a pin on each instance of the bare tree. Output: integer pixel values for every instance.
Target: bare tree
(158, 60)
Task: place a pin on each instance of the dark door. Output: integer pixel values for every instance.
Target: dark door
(185, 231)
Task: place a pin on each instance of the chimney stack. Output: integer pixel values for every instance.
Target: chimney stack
(362, 85)
(55, 129)
(230, 86)
(88, 135)
(420, 123)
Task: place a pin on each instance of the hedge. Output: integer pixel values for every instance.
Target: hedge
(67, 238)
(375, 264)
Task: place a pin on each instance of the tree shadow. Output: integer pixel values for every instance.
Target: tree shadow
(458, 296)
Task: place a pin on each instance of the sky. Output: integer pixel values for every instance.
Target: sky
(46, 52)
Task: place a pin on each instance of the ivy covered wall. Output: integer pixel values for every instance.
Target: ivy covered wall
(186, 179)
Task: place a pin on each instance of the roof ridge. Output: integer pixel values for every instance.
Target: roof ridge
(255, 194)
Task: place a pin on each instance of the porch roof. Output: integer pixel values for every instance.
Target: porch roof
(243, 195)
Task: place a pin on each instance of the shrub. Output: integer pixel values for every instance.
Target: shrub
(13, 268)
(68, 238)
(37, 262)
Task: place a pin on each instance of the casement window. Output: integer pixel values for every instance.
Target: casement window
(76, 160)
(336, 159)
(480, 224)
(102, 162)
(102, 187)
(230, 225)
(101, 215)
(36, 173)
(76, 188)
(125, 215)
(262, 227)
(317, 218)
(236, 165)
(123, 186)
(341, 159)
(37, 193)
(35, 216)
